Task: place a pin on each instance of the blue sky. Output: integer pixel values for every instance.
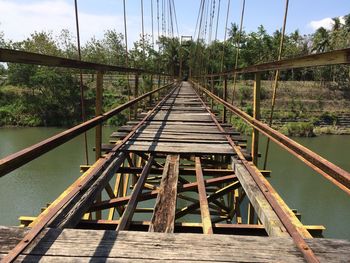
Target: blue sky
(19, 18)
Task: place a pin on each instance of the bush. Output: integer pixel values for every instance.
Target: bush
(301, 129)
(244, 93)
(329, 118)
(241, 126)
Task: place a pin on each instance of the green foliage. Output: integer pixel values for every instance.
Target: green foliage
(241, 126)
(3, 71)
(330, 118)
(51, 96)
(301, 129)
(244, 94)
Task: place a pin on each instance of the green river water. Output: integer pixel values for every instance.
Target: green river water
(26, 190)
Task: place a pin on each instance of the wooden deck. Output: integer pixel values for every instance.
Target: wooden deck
(71, 245)
(180, 125)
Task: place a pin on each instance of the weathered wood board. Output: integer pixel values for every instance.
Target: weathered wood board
(70, 245)
(180, 125)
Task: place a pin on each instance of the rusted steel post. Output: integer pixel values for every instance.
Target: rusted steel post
(224, 97)
(98, 112)
(150, 96)
(159, 81)
(159, 84)
(98, 130)
(256, 116)
(136, 92)
(212, 91)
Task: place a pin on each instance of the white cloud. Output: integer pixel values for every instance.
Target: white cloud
(18, 20)
(327, 23)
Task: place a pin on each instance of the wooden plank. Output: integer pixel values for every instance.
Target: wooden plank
(133, 123)
(203, 201)
(164, 147)
(184, 136)
(268, 217)
(178, 141)
(75, 244)
(71, 214)
(137, 191)
(178, 132)
(175, 128)
(186, 227)
(163, 217)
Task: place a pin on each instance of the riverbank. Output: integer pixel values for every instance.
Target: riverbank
(302, 108)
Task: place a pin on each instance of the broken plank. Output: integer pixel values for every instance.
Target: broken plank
(203, 202)
(163, 217)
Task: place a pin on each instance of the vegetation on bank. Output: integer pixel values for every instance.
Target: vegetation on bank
(41, 96)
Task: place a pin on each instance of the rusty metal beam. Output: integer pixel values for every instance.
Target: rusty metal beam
(335, 57)
(210, 198)
(153, 194)
(16, 160)
(131, 206)
(330, 171)
(24, 57)
(182, 171)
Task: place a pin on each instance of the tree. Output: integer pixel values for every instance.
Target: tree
(66, 43)
(94, 51)
(336, 24)
(2, 40)
(347, 22)
(321, 40)
(113, 43)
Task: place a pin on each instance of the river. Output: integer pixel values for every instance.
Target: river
(27, 189)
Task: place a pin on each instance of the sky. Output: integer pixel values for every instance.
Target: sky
(20, 18)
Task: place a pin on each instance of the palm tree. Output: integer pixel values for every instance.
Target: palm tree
(336, 24)
(321, 40)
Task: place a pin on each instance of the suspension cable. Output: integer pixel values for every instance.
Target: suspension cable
(212, 12)
(163, 19)
(83, 116)
(204, 36)
(273, 101)
(143, 33)
(199, 11)
(224, 44)
(158, 18)
(126, 55)
(152, 24)
(237, 51)
(175, 16)
(200, 32)
(217, 21)
(171, 18)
